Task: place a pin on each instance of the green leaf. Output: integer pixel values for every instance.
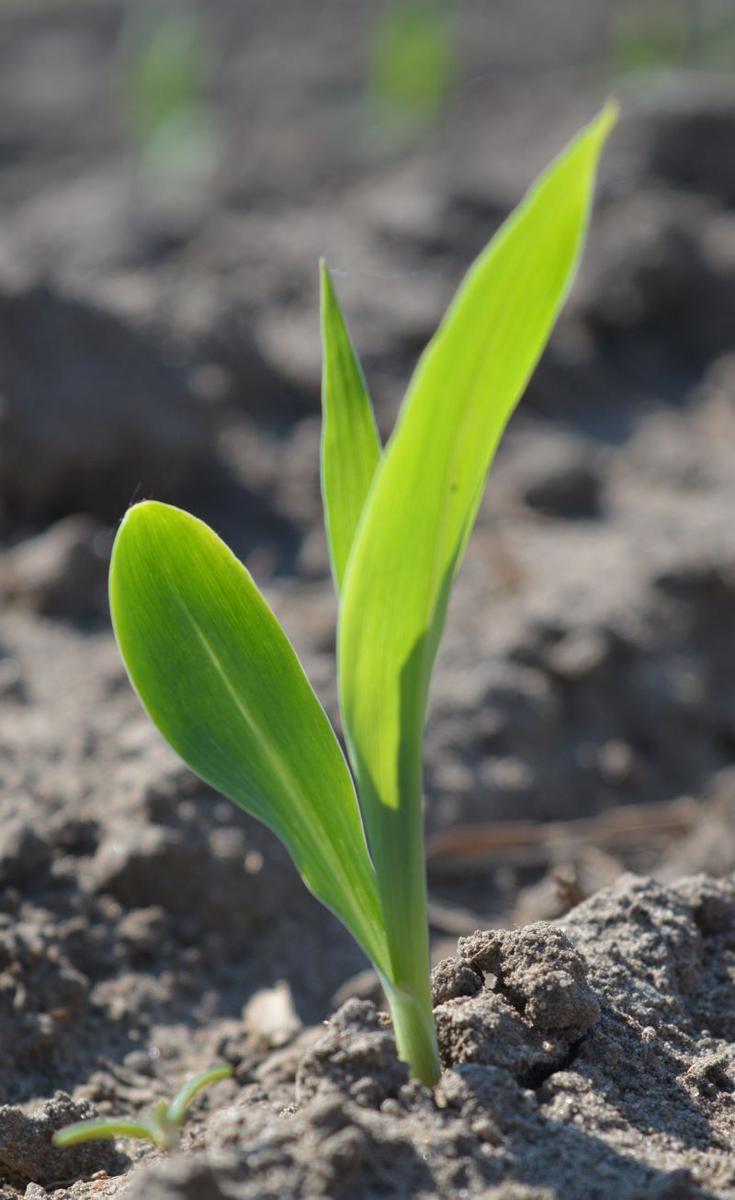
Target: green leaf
(421, 509)
(102, 1129)
(350, 443)
(184, 1098)
(219, 678)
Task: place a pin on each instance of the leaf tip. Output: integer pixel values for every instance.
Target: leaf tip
(602, 125)
(135, 511)
(144, 510)
(136, 526)
(609, 114)
(325, 282)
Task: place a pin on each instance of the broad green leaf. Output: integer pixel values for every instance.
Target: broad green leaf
(350, 442)
(421, 508)
(219, 678)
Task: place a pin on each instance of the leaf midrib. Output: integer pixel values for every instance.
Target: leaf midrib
(285, 777)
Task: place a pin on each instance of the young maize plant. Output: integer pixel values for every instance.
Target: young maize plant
(161, 1126)
(214, 669)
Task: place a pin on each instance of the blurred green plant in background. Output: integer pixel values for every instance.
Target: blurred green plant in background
(654, 39)
(413, 64)
(166, 72)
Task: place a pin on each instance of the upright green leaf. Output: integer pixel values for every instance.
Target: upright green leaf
(221, 681)
(350, 442)
(421, 509)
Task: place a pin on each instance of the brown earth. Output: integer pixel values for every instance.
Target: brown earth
(583, 715)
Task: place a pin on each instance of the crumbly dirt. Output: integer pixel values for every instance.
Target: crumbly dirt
(591, 1063)
(580, 782)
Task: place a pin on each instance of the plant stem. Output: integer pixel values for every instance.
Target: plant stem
(164, 1132)
(396, 839)
(413, 1024)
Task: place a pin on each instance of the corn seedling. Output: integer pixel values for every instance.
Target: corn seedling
(413, 65)
(166, 68)
(162, 1125)
(216, 672)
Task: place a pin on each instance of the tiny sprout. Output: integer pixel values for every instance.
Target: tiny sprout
(161, 1125)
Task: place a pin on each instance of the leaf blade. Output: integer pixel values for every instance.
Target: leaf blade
(421, 508)
(185, 1097)
(220, 680)
(101, 1129)
(350, 450)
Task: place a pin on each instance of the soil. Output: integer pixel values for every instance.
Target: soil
(580, 790)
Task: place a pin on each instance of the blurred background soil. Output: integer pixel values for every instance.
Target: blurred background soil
(169, 177)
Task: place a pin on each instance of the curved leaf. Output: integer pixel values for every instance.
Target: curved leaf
(185, 1097)
(101, 1129)
(219, 678)
(420, 512)
(350, 443)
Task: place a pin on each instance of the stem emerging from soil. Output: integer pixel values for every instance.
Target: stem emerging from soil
(413, 1025)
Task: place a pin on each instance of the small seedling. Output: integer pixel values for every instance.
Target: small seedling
(162, 1125)
(413, 64)
(216, 672)
(165, 68)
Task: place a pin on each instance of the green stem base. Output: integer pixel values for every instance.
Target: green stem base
(413, 1024)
